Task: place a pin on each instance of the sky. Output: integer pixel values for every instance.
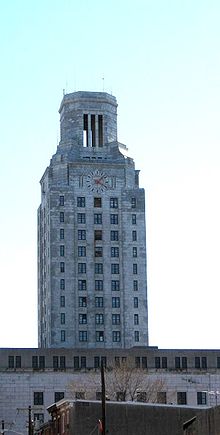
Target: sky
(161, 59)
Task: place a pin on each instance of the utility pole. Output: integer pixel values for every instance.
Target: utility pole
(3, 427)
(30, 429)
(103, 397)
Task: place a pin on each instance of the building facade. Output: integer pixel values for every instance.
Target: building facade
(92, 285)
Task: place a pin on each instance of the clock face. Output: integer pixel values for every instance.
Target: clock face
(97, 181)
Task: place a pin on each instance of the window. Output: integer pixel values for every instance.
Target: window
(162, 397)
(62, 250)
(115, 285)
(62, 362)
(11, 362)
(197, 362)
(104, 361)
(76, 363)
(114, 219)
(62, 216)
(81, 201)
(62, 335)
(113, 202)
(81, 251)
(117, 361)
(98, 268)
(99, 319)
(58, 395)
(115, 251)
(201, 398)
(141, 396)
(62, 284)
(98, 235)
(135, 285)
(181, 398)
(97, 218)
(134, 251)
(55, 362)
(177, 362)
(82, 335)
(157, 362)
(98, 285)
(137, 362)
(135, 302)
(136, 335)
(62, 318)
(83, 362)
(62, 267)
(120, 396)
(82, 301)
(98, 251)
(82, 319)
(135, 269)
(164, 362)
(218, 362)
(116, 336)
(115, 268)
(116, 319)
(62, 301)
(82, 285)
(99, 335)
(99, 302)
(134, 236)
(96, 362)
(133, 219)
(184, 362)
(61, 233)
(38, 398)
(81, 218)
(133, 202)
(114, 236)
(97, 202)
(35, 362)
(204, 362)
(81, 267)
(61, 200)
(136, 319)
(81, 234)
(98, 395)
(144, 362)
(116, 302)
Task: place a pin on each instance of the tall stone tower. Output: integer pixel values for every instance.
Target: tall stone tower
(92, 287)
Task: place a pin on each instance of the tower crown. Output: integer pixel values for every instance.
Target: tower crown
(89, 119)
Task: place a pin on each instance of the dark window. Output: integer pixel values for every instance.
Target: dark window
(61, 233)
(115, 251)
(137, 362)
(81, 234)
(81, 218)
(98, 235)
(62, 301)
(38, 398)
(135, 269)
(97, 202)
(62, 216)
(62, 362)
(83, 362)
(98, 251)
(136, 335)
(141, 396)
(82, 319)
(134, 250)
(135, 302)
(204, 362)
(61, 200)
(114, 219)
(133, 219)
(97, 218)
(82, 285)
(197, 362)
(201, 398)
(18, 361)
(81, 201)
(99, 319)
(134, 236)
(115, 285)
(135, 285)
(115, 268)
(162, 397)
(35, 362)
(144, 362)
(157, 362)
(116, 319)
(82, 335)
(181, 398)
(184, 362)
(58, 395)
(82, 301)
(114, 236)
(11, 362)
(117, 361)
(98, 268)
(62, 267)
(177, 362)
(81, 251)
(116, 302)
(62, 250)
(133, 202)
(99, 302)
(96, 362)
(218, 362)
(113, 202)
(81, 267)
(62, 284)
(104, 361)
(62, 318)
(136, 319)
(99, 335)
(63, 335)
(98, 285)
(76, 362)
(116, 336)
(41, 362)
(55, 362)
(164, 362)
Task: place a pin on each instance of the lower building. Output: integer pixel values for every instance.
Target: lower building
(37, 378)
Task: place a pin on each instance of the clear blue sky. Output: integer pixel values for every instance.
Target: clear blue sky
(161, 59)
